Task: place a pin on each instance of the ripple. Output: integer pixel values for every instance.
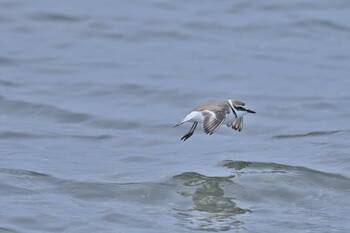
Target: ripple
(20, 172)
(216, 203)
(47, 135)
(205, 26)
(6, 83)
(318, 23)
(158, 34)
(309, 134)
(114, 124)
(20, 108)
(9, 230)
(55, 17)
(4, 61)
(128, 220)
(196, 201)
(30, 182)
(17, 135)
(21, 182)
(262, 167)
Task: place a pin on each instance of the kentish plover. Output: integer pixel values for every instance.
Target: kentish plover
(213, 115)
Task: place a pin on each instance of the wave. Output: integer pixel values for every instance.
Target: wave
(216, 203)
(50, 135)
(20, 108)
(55, 17)
(309, 134)
(196, 201)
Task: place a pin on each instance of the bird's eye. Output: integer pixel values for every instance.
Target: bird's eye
(240, 108)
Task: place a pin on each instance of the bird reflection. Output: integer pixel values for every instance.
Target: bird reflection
(212, 210)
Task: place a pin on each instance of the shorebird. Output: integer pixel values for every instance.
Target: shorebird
(213, 115)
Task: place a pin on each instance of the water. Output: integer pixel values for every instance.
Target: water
(90, 92)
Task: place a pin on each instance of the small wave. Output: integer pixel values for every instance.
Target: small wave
(9, 230)
(114, 124)
(242, 167)
(129, 221)
(20, 182)
(158, 34)
(215, 203)
(6, 83)
(309, 134)
(21, 172)
(208, 26)
(19, 107)
(18, 135)
(314, 23)
(55, 17)
(4, 61)
(46, 135)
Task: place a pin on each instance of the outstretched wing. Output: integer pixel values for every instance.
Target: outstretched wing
(213, 120)
(238, 124)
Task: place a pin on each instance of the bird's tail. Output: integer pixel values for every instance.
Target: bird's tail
(180, 123)
(187, 118)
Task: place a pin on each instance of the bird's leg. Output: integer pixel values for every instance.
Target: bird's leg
(189, 133)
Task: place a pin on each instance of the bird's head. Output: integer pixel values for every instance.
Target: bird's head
(240, 107)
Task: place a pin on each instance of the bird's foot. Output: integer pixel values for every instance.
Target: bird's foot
(186, 136)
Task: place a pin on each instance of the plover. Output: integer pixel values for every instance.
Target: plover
(213, 115)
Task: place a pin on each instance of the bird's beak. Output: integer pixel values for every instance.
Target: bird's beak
(250, 111)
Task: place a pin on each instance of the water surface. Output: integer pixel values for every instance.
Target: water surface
(90, 92)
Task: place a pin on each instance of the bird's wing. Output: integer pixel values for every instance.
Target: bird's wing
(238, 124)
(213, 120)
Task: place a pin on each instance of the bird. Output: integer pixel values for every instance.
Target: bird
(213, 115)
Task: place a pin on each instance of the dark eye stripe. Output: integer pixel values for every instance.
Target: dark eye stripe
(240, 109)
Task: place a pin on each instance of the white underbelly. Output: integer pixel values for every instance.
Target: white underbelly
(194, 117)
(229, 118)
(232, 117)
